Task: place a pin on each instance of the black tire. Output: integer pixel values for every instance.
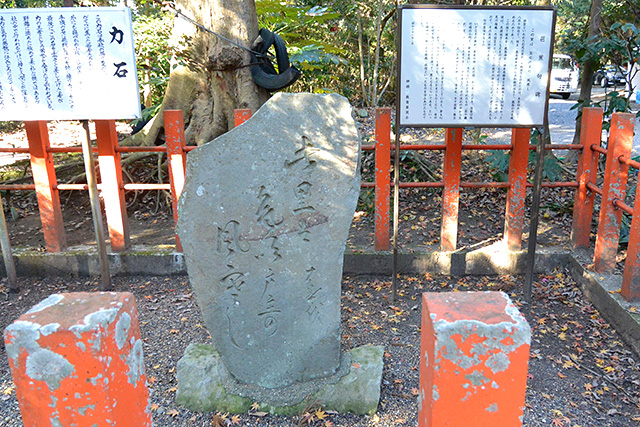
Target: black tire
(263, 72)
(565, 95)
(604, 82)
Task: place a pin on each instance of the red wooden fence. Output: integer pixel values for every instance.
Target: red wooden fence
(612, 192)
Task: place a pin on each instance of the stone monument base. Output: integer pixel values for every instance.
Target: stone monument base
(205, 385)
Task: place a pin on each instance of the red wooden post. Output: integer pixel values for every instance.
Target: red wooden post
(614, 187)
(474, 353)
(590, 134)
(112, 186)
(76, 360)
(174, 136)
(383, 174)
(631, 277)
(516, 195)
(241, 115)
(44, 178)
(451, 192)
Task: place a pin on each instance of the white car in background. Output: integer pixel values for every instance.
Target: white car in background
(564, 76)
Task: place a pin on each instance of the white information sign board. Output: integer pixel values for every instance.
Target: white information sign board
(67, 63)
(474, 66)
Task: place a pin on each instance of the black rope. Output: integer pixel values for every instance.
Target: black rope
(179, 14)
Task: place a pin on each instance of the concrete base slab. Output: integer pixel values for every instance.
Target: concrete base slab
(205, 385)
(602, 290)
(83, 261)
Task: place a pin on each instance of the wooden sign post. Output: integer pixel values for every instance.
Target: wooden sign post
(70, 64)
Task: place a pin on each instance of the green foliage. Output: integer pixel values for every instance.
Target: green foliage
(304, 29)
(613, 102)
(10, 127)
(499, 162)
(153, 56)
(11, 4)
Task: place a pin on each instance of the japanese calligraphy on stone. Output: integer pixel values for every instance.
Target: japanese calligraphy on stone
(67, 63)
(474, 66)
(263, 221)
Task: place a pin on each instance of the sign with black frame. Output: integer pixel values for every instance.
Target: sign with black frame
(473, 66)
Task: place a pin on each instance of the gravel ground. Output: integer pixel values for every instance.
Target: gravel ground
(580, 372)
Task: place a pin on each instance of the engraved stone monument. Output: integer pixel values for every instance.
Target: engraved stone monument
(263, 220)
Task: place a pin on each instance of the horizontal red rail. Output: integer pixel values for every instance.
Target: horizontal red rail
(13, 150)
(67, 150)
(473, 184)
(627, 161)
(163, 149)
(598, 149)
(427, 147)
(147, 149)
(534, 147)
(594, 188)
(147, 186)
(557, 184)
(435, 147)
(17, 187)
(622, 205)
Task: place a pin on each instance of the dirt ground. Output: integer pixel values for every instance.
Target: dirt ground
(580, 371)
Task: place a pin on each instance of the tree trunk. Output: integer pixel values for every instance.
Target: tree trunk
(211, 78)
(586, 82)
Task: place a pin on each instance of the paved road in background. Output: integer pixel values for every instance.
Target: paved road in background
(562, 119)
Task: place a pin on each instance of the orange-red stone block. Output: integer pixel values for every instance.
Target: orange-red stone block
(76, 360)
(473, 360)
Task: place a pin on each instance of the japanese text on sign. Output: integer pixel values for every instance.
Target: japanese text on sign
(474, 66)
(67, 63)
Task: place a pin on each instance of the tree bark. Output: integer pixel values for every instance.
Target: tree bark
(211, 78)
(586, 82)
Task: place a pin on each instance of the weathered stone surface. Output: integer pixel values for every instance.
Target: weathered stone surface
(263, 220)
(203, 385)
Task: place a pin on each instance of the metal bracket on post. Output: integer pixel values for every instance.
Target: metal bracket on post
(89, 167)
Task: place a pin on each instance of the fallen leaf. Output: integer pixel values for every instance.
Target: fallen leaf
(218, 421)
(557, 422)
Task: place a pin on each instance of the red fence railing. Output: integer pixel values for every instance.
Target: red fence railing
(612, 195)
(612, 192)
